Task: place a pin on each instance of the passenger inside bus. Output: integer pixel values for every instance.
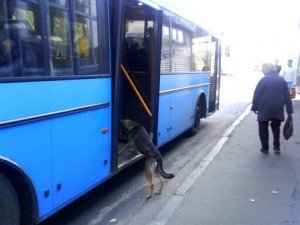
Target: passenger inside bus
(19, 43)
(136, 57)
(6, 43)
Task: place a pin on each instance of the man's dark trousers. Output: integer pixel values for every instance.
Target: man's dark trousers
(264, 133)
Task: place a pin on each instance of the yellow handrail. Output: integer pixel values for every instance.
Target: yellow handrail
(136, 91)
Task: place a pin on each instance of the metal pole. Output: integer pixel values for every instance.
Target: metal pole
(136, 91)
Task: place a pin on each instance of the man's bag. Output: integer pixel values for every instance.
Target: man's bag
(288, 127)
(293, 92)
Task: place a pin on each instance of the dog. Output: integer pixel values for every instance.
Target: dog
(139, 139)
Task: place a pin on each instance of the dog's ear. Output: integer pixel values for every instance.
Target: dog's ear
(124, 123)
(123, 130)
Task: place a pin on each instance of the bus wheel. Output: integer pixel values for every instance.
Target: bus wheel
(194, 129)
(9, 204)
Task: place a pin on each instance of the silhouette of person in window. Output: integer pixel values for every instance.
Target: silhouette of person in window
(5, 44)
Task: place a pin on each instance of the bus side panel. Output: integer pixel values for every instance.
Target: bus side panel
(81, 152)
(163, 119)
(179, 113)
(58, 153)
(173, 81)
(182, 111)
(29, 146)
(34, 98)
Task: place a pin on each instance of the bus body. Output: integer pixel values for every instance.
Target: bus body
(62, 93)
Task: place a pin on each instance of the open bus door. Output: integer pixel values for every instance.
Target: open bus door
(214, 93)
(139, 44)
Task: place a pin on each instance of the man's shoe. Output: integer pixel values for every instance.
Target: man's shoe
(265, 151)
(276, 149)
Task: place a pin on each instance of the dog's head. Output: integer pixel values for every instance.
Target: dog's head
(128, 124)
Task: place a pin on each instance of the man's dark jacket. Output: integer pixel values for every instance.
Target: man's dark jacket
(270, 96)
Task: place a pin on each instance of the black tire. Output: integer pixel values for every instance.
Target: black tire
(195, 128)
(9, 204)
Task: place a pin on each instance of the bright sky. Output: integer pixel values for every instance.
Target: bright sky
(259, 29)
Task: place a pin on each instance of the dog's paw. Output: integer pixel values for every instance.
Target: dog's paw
(134, 151)
(158, 192)
(148, 197)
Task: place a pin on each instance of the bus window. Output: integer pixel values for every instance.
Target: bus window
(165, 64)
(181, 51)
(27, 48)
(201, 52)
(135, 33)
(93, 8)
(213, 50)
(5, 44)
(86, 33)
(136, 53)
(23, 29)
(82, 6)
(82, 41)
(60, 46)
(27, 14)
(59, 2)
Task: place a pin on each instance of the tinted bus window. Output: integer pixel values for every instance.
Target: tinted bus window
(176, 49)
(201, 52)
(165, 64)
(181, 51)
(21, 36)
(5, 43)
(86, 37)
(82, 6)
(60, 45)
(59, 2)
(53, 38)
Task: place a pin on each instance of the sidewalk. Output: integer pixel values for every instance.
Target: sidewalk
(242, 186)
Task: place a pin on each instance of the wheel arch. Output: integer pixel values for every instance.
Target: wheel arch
(24, 189)
(199, 113)
(203, 104)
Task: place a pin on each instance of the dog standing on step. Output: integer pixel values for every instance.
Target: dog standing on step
(138, 136)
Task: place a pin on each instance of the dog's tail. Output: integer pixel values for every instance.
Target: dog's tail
(161, 169)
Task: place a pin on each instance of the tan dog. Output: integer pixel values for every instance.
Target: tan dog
(138, 137)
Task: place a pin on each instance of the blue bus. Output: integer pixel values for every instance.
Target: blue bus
(63, 93)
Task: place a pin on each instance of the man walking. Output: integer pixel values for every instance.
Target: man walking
(290, 75)
(270, 96)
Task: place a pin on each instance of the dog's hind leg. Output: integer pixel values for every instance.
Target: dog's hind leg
(159, 191)
(149, 172)
(150, 184)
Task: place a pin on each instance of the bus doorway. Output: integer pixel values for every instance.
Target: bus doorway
(141, 63)
(215, 75)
